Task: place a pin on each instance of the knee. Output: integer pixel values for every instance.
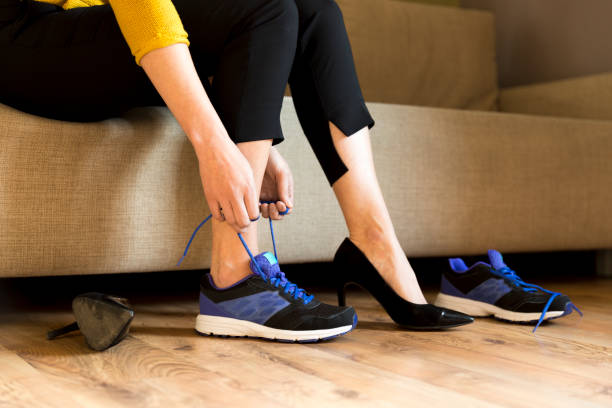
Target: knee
(285, 15)
(326, 10)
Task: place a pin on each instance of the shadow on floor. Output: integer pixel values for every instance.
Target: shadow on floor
(57, 292)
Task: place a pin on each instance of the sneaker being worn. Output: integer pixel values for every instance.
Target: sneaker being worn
(266, 305)
(495, 289)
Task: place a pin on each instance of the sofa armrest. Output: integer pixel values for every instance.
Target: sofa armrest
(587, 97)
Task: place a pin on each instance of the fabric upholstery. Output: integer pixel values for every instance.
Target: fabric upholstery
(420, 54)
(124, 195)
(588, 97)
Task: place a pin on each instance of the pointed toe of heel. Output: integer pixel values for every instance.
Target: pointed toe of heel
(450, 318)
(429, 317)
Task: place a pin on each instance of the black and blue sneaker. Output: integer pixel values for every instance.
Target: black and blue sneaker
(266, 305)
(496, 290)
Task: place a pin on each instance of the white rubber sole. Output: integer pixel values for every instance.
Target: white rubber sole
(482, 309)
(226, 326)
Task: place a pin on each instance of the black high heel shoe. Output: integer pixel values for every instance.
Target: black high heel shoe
(352, 267)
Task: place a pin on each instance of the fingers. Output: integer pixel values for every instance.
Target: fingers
(274, 212)
(252, 205)
(241, 217)
(290, 202)
(236, 216)
(245, 209)
(285, 191)
(265, 210)
(215, 210)
(228, 215)
(236, 213)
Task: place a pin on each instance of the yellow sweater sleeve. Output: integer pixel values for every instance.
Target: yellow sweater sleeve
(145, 24)
(148, 24)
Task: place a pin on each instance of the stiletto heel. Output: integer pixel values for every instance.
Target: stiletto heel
(352, 266)
(341, 295)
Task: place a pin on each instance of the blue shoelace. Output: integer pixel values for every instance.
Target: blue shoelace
(279, 279)
(511, 275)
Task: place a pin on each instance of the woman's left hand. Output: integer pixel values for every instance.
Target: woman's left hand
(277, 186)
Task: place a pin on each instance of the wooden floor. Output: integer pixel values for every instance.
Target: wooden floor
(567, 363)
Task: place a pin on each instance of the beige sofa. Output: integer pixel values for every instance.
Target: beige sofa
(459, 176)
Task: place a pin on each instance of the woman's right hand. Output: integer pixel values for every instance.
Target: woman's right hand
(226, 175)
(228, 183)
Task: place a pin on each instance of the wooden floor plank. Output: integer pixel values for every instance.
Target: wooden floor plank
(120, 371)
(345, 382)
(464, 370)
(163, 362)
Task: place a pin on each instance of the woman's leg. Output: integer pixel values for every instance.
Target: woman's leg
(250, 77)
(324, 83)
(367, 217)
(334, 117)
(230, 262)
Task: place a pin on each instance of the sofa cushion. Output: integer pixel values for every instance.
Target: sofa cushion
(417, 54)
(587, 97)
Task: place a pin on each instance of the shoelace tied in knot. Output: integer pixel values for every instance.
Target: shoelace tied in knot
(511, 275)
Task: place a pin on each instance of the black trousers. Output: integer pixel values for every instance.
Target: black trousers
(75, 65)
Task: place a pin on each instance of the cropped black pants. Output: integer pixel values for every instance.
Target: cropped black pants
(75, 65)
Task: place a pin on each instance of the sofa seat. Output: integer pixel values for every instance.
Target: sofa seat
(124, 194)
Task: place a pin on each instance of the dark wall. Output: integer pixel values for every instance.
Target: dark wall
(545, 40)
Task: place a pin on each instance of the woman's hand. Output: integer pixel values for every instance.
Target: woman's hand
(228, 183)
(277, 186)
(226, 175)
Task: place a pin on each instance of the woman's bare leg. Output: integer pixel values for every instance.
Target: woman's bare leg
(230, 262)
(367, 217)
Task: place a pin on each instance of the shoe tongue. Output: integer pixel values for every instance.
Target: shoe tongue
(267, 263)
(497, 261)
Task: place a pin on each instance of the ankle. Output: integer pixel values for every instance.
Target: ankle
(381, 247)
(227, 274)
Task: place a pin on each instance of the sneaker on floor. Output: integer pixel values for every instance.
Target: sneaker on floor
(266, 305)
(496, 290)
